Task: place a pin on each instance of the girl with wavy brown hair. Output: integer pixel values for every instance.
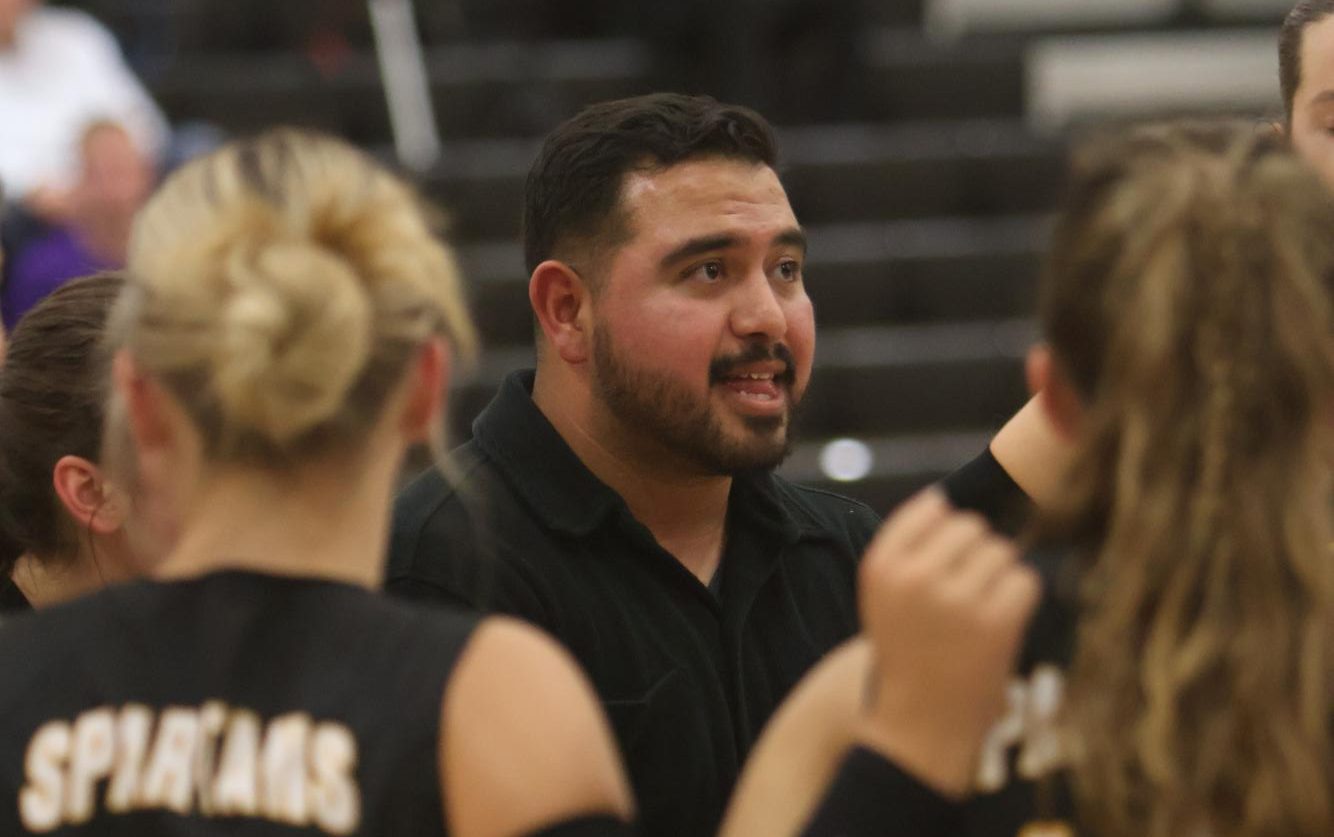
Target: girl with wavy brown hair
(1178, 676)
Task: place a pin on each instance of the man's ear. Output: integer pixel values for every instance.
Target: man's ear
(1059, 399)
(93, 502)
(560, 301)
(427, 384)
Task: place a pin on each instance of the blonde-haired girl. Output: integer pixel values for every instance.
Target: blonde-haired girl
(287, 331)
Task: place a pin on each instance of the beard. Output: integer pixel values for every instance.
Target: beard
(689, 425)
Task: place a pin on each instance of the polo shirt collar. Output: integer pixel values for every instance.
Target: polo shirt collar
(537, 462)
(757, 495)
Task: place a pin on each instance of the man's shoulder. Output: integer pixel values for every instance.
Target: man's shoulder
(818, 511)
(438, 490)
(464, 535)
(448, 507)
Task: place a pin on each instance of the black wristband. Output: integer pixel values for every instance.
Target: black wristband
(598, 825)
(984, 486)
(873, 797)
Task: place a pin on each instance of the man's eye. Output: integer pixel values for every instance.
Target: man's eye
(707, 272)
(789, 271)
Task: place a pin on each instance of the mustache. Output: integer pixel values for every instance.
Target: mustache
(723, 367)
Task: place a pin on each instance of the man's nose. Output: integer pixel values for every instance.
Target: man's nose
(757, 311)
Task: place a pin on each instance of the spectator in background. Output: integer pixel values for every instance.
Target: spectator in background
(114, 181)
(59, 70)
(3, 330)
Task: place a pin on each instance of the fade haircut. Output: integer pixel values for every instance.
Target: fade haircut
(572, 195)
(1305, 14)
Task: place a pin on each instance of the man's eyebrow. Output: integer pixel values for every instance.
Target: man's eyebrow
(794, 237)
(696, 246)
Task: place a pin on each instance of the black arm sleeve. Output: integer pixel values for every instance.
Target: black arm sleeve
(872, 797)
(602, 825)
(985, 487)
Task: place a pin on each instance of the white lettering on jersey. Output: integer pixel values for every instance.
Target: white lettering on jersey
(212, 721)
(992, 768)
(236, 787)
(132, 730)
(335, 800)
(41, 796)
(209, 761)
(1031, 722)
(284, 760)
(91, 757)
(168, 780)
(1044, 750)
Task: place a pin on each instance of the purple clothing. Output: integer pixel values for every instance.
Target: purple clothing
(43, 266)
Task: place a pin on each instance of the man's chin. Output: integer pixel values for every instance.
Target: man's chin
(759, 448)
(774, 426)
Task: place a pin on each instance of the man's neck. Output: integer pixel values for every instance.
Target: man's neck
(686, 511)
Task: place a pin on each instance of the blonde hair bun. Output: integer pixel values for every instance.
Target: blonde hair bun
(280, 287)
(295, 335)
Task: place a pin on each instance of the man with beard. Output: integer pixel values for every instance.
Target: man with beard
(622, 496)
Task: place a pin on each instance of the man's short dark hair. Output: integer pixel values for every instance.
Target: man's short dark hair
(1303, 15)
(572, 195)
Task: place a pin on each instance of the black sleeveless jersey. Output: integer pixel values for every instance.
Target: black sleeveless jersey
(235, 703)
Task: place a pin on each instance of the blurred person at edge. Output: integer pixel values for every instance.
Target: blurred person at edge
(1306, 73)
(60, 70)
(625, 494)
(3, 330)
(1175, 679)
(114, 181)
(1024, 464)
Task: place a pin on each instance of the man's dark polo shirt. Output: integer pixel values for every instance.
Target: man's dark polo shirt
(688, 675)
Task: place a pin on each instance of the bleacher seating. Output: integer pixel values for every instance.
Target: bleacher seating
(1095, 77)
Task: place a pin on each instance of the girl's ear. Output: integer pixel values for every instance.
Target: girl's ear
(93, 502)
(145, 409)
(1059, 399)
(427, 384)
